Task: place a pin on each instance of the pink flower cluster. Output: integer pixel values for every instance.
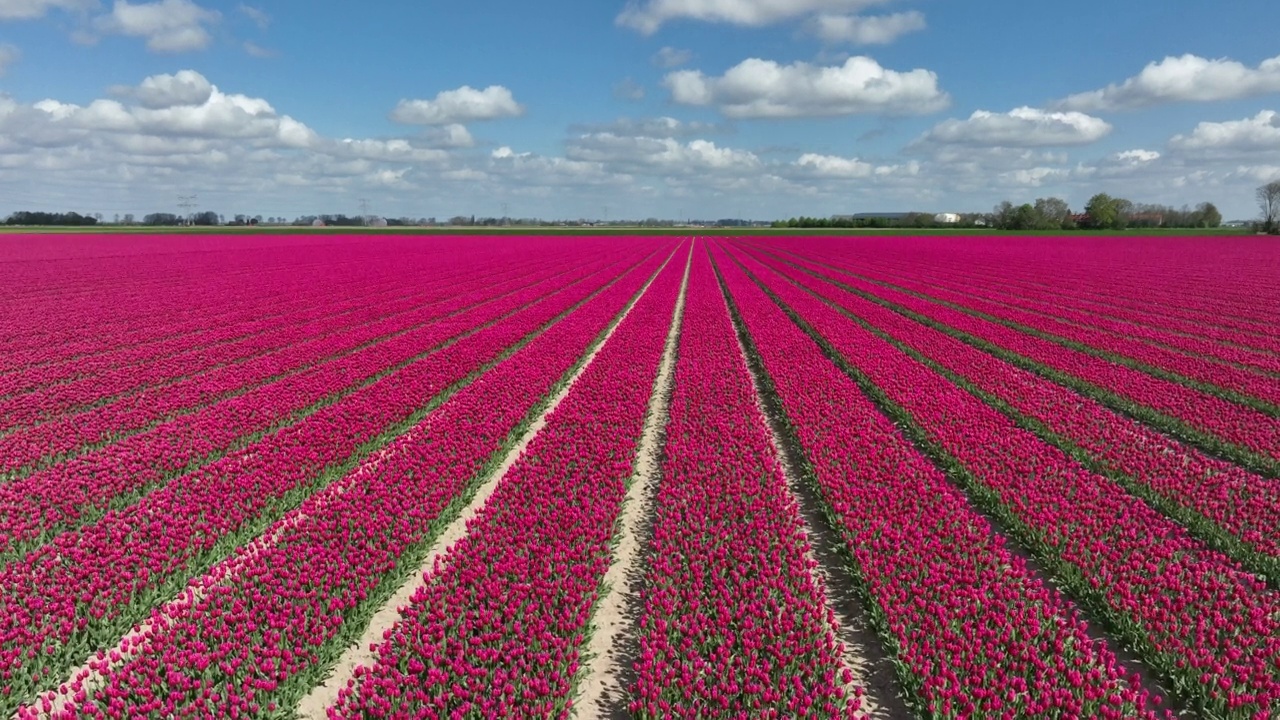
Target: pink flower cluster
(1213, 344)
(273, 611)
(59, 498)
(1197, 615)
(1257, 384)
(90, 585)
(1106, 295)
(1234, 423)
(979, 634)
(153, 401)
(1244, 505)
(496, 628)
(734, 622)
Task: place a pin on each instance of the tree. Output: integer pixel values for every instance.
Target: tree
(1207, 215)
(1052, 213)
(1107, 213)
(1269, 201)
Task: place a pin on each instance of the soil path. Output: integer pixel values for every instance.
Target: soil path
(614, 644)
(315, 703)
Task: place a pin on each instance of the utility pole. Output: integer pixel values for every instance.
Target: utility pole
(187, 203)
(364, 210)
(505, 214)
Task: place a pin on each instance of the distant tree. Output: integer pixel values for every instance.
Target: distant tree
(128, 219)
(1104, 212)
(1269, 201)
(1207, 215)
(1052, 213)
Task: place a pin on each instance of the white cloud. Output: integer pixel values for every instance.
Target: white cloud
(669, 57)
(184, 104)
(33, 9)
(866, 29)
(1260, 133)
(647, 16)
(650, 127)
(186, 87)
(668, 155)
(8, 56)
(466, 104)
(758, 88)
(1188, 78)
(451, 136)
(257, 15)
(1021, 127)
(1138, 156)
(169, 26)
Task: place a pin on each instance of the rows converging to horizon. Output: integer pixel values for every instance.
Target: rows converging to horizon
(339, 476)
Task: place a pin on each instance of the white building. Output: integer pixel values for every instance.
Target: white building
(946, 218)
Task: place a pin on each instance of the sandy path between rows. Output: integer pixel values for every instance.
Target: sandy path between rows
(324, 695)
(91, 676)
(603, 690)
(859, 648)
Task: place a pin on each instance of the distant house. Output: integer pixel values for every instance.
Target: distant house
(946, 218)
(317, 223)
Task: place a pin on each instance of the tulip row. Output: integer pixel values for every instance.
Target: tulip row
(26, 451)
(1192, 278)
(495, 629)
(976, 632)
(1237, 510)
(1217, 347)
(59, 370)
(198, 290)
(1251, 388)
(1185, 412)
(141, 392)
(1047, 283)
(219, 339)
(87, 587)
(734, 622)
(1211, 628)
(80, 383)
(271, 619)
(35, 508)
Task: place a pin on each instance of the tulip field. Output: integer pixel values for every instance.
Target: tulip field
(419, 476)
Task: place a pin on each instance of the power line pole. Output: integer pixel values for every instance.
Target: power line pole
(364, 210)
(187, 203)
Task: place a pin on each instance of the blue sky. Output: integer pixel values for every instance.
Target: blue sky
(662, 108)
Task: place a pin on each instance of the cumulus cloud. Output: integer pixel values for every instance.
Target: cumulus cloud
(647, 16)
(1260, 133)
(1186, 78)
(466, 104)
(450, 136)
(33, 9)
(184, 104)
(169, 26)
(1137, 156)
(8, 56)
(1020, 127)
(669, 155)
(669, 57)
(758, 88)
(186, 87)
(836, 167)
(866, 29)
(649, 127)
